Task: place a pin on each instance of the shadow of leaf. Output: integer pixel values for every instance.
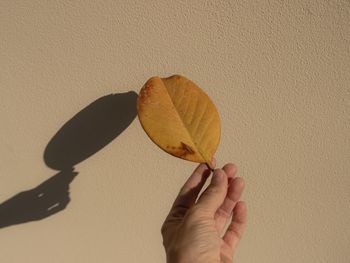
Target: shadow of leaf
(90, 130)
(82, 136)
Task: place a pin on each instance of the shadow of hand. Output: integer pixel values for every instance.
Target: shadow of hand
(40, 202)
(83, 135)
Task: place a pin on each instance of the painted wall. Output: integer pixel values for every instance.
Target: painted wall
(278, 71)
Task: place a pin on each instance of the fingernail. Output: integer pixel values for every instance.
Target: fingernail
(217, 176)
(213, 162)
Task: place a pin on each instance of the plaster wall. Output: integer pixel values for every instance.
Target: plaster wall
(278, 72)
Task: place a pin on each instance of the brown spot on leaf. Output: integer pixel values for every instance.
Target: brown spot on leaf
(143, 97)
(187, 149)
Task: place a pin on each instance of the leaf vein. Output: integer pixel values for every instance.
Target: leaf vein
(199, 119)
(194, 110)
(206, 129)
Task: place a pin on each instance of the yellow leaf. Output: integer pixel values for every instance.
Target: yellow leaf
(180, 118)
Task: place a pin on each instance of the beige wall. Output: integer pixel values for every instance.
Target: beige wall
(278, 71)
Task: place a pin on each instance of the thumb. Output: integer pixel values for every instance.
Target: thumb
(213, 197)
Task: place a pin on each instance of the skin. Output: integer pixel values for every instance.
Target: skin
(194, 231)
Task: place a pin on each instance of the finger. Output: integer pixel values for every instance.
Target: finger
(214, 195)
(234, 193)
(236, 227)
(190, 190)
(231, 170)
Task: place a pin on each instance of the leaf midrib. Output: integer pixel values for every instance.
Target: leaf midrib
(183, 123)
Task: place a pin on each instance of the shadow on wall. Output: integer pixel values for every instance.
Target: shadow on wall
(85, 134)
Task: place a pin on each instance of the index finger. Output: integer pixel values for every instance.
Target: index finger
(190, 190)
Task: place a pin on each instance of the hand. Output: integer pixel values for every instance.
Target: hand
(194, 231)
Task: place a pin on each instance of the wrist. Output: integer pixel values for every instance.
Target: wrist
(176, 256)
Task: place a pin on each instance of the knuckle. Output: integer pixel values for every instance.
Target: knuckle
(164, 229)
(212, 190)
(183, 189)
(198, 212)
(223, 213)
(194, 211)
(177, 213)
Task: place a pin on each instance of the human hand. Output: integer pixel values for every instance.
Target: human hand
(194, 231)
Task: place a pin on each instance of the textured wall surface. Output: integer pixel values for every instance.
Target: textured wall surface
(278, 71)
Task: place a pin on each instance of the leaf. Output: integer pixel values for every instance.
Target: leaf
(180, 118)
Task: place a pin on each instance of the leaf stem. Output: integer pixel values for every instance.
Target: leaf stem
(210, 167)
